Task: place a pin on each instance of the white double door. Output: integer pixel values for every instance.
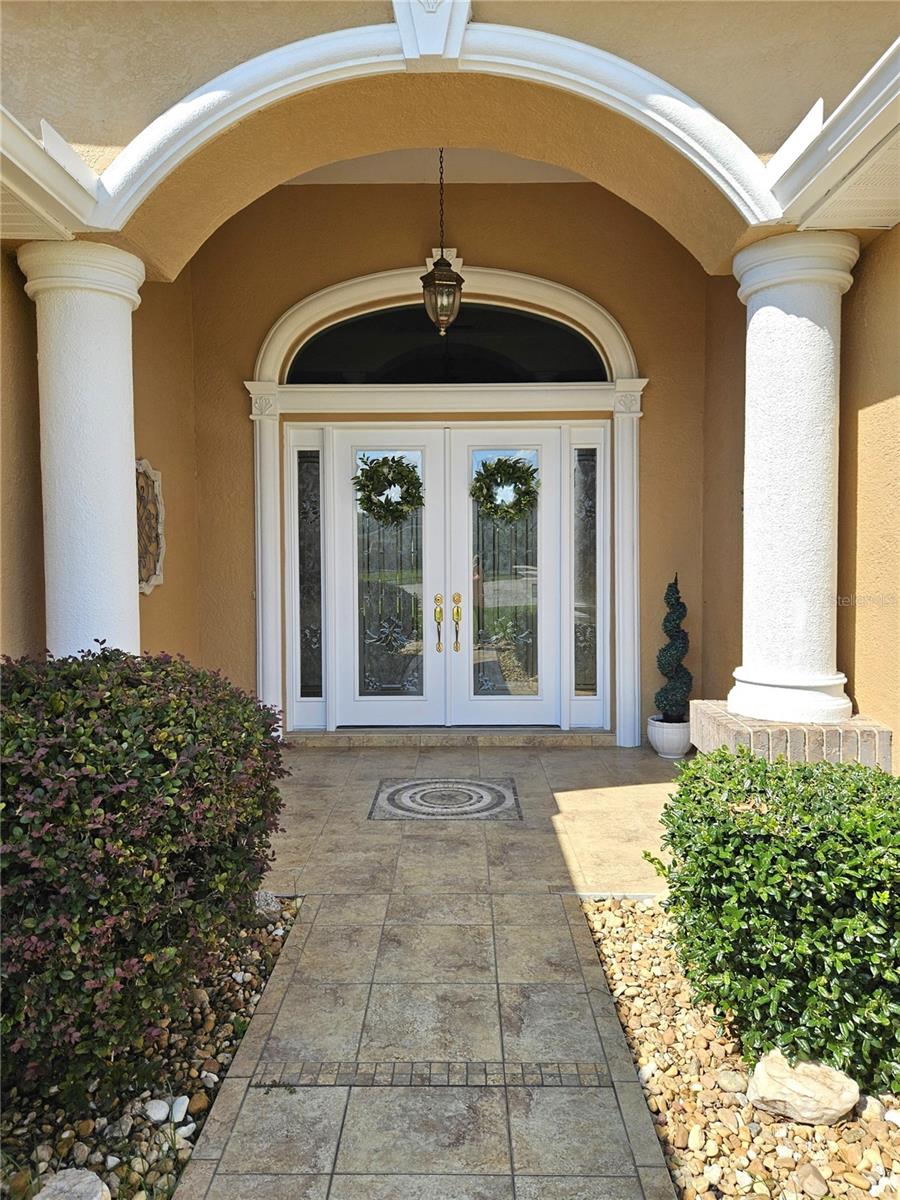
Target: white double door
(450, 617)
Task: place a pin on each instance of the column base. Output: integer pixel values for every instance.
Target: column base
(856, 739)
(816, 699)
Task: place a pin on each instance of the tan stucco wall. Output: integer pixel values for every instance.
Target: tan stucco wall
(164, 434)
(723, 469)
(869, 498)
(297, 240)
(100, 72)
(21, 536)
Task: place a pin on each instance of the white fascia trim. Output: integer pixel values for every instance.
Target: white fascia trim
(869, 114)
(489, 49)
(60, 192)
(797, 142)
(411, 399)
(389, 289)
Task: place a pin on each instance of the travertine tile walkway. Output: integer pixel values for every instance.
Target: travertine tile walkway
(438, 1026)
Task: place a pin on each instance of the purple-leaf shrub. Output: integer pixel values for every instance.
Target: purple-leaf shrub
(138, 799)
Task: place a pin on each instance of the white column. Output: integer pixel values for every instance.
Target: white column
(264, 415)
(85, 294)
(627, 567)
(792, 286)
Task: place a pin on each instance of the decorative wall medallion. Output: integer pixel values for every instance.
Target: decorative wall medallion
(151, 513)
(446, 800)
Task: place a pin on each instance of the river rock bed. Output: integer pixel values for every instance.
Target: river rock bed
(694, 1079)
(140, 1144)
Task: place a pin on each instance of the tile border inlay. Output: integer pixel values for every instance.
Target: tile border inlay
(430, 1074)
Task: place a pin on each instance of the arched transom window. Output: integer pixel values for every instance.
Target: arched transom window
(486, 344)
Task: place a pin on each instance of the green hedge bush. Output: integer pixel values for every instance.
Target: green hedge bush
(139, 795)
(784, 891)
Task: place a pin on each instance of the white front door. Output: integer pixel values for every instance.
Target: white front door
(505, 670)
(494, 657)
(389, 668)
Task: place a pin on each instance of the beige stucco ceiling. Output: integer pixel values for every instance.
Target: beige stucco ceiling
(421, 166)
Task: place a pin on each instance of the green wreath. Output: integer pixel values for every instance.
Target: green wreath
(378, 477)
(500, 473)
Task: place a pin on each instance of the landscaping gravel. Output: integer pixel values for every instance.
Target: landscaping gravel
(140, 1144)
(716, 1144)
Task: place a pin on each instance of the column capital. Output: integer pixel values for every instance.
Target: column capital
(812, 256)
(81, 266)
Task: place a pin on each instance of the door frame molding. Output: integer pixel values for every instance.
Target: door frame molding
(271, 401)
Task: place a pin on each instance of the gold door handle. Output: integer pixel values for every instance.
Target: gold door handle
(439, 618)
(457, 618)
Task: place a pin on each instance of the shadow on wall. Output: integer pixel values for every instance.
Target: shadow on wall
(868, 599)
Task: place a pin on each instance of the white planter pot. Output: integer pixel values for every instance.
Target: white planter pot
(670, 739)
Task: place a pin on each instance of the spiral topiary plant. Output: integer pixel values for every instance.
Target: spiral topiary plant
(672, 697)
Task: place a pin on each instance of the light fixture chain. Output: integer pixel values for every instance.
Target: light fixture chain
(441, 176)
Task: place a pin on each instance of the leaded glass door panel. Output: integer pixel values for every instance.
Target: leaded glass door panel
(507, 575)
(390, 668)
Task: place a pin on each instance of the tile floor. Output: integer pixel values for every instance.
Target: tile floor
(438, 1026)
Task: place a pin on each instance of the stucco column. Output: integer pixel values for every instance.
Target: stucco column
(792, 286)
(85, 294)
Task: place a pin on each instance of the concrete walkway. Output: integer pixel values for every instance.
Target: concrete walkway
(438, 1026)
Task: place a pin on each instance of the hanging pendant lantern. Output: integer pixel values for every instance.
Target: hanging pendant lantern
(442, 286)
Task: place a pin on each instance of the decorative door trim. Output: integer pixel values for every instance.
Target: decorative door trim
(621, 397)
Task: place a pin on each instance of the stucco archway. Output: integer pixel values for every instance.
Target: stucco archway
(249, 130)
(621, 396)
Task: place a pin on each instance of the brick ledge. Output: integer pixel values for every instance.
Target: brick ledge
(858, 740)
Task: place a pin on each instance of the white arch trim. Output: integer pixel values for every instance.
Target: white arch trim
(505, 50)
(269, 398)
(389, 289)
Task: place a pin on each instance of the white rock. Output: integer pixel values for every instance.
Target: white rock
(743, 1179)
(157, 1111)
(122, 1128)
(208, 1079)
(238, 976)
(712, 1173)
(179, 1108)
(646, 1073)
(75, 1185)
(732, 1081)
(809, 1093)
(187, 1131)
(112, 1161)
(267, 903)
(870, 1109)
(893, 1115)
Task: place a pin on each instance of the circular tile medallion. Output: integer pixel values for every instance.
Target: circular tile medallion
(445, 798)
